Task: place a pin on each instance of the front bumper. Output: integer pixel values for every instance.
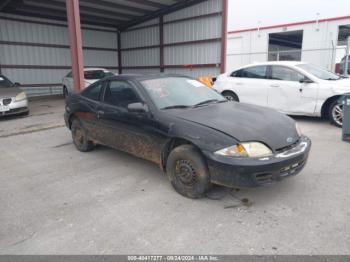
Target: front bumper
(15, 107)
(253, 172)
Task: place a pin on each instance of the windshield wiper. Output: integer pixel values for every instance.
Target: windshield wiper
(209, 102)
(333, 79)
(176, 106)
(206, 102)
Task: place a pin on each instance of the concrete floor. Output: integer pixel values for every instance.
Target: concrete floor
(56, 200)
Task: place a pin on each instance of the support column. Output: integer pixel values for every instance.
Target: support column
(75, 43)
(161, 43)
(224, 4)
(119, 42)
(346, 66)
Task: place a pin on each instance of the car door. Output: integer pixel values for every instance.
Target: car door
(250, 85)
(290, 91)
(89, 109)
(133, 132)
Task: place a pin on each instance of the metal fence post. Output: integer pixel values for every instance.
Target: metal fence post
(346, 66)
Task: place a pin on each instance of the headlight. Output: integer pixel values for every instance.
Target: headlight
(21, 96)
(298, 129)
(248, 149)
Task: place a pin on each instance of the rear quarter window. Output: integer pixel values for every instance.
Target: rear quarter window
(256, 72)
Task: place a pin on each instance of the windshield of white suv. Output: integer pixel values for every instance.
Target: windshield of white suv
(319, 72)
(180, 92)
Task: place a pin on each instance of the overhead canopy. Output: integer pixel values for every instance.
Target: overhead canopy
(119, 14)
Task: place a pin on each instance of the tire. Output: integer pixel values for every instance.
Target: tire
(230, 96)
(79, 136)
(188, 172)
(335, 114)
(65, 92)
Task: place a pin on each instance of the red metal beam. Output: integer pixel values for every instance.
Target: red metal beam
(75, 42)
(119, 42)
(54, 45)
(202, 41)
(223, 36)
(53, 24)
(161, 44)
(50, 66)
(175, 21)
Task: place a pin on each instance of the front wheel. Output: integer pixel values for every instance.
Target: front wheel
(80, 138)
(336, 114)
(188, 172)
(230, 96)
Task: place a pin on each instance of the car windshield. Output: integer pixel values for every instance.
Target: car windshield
(96, 74)
(180, 92)
(5, 83)
(319, 72)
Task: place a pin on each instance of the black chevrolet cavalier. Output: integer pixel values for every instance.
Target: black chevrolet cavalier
(194, 134)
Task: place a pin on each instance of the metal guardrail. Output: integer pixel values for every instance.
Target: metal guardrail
(42, 90)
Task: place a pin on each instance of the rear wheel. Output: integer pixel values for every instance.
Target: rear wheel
(80, 138)
(336, 113)
(230, 96)
(188, 172)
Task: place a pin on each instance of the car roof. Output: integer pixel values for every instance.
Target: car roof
(285, 63)
(140, 77)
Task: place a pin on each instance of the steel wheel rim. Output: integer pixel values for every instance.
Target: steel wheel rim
(185, 172)
(337, 114)
(78, 136)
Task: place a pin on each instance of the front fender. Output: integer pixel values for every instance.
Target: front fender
(205, 138)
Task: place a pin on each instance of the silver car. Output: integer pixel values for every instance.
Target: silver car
(13, 101)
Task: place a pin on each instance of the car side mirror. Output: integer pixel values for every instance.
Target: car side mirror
(305, 81)
(137, 108)
(16, 84)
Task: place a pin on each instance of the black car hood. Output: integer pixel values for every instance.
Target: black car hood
(9, 91)
(244, 122)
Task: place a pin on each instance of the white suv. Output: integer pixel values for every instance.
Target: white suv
(91, 75)
(294, 88)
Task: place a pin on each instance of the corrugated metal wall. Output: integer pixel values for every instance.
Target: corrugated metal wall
(191, 42)
(134, 55)
(38, 56)
(202, 28)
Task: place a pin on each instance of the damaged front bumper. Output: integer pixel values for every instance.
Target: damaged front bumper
(253, 172)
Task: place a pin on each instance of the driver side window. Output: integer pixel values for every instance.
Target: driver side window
(286, 74)
(120, 94)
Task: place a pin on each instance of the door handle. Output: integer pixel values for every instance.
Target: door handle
(275, 85)
(100, 113)
(239, 84)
